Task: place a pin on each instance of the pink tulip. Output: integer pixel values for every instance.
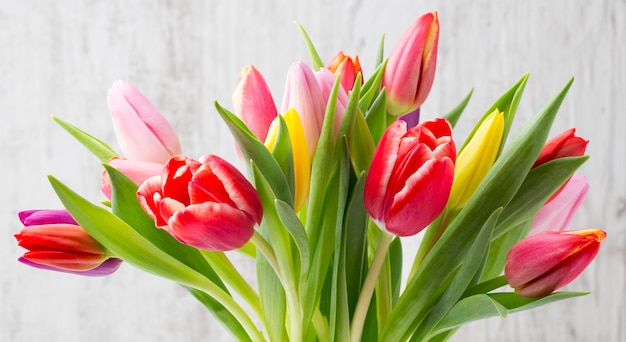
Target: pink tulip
(142, 132)
(253, 102)
(557, 214)
(138, 172)
(208, 204)
(346, 66)
(303, 94)
(543, 263)
(326, 81)
(56, 242)
(410, 70)
(565, 144)
(410, 177)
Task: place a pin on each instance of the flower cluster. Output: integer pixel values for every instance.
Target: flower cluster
(335, 177)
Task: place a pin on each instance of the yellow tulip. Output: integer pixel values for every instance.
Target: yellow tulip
(299, 149)
(475, 160)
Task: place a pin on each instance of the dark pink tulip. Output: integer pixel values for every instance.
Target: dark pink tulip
(56, 242)
(253, 102)
(410, 70)
(142, 132)
(410, 177)
(207, 204)
(543, 263)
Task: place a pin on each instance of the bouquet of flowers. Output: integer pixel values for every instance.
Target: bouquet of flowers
(334, 179)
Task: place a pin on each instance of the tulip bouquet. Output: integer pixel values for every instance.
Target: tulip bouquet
(334, 180)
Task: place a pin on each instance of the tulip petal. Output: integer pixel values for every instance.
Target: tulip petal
(557, 214)
(38, 217)
(148, 194)
(65, 260)
(107, 267)
(62, 237)
(253, 102)
(212, 226)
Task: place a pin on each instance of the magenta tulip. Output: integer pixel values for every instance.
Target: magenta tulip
(410, 177)
(142, 132)
(557, 214)
(303, 94)
(253, 102)
(543, 263)
(208, 204)
(56, 242)
(410, 70)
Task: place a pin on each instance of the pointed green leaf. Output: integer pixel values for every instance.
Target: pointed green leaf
(283, 154)
(371, 87)
(470, 309)
(381, 51)
(316, 61)
(376, 116)
(356, 242)
(291, 222)
(96, 146)
(454, 115)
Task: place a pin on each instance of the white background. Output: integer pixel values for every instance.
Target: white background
(60, 57)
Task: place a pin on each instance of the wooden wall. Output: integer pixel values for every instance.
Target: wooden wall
(60, 57)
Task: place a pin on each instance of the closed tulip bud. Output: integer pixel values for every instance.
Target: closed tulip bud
(410, 70)
(207, 204)
(142, 132)
(347, 66)
(253, 102)
(301, 160)
(410, 177)
(326, 81)
(557, 214)
(543, 263)
(565, 144)
(476, 159)
(56, 242)
(136, 170)
(303, 94)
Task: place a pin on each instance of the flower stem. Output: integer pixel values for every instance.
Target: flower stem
(365, 297)
(227, 272)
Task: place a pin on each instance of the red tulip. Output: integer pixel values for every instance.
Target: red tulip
(207, 204)
(253, 102)
(543, 263)
(56, 242)
(142, 132)
(347, 66)
(410, 177)
(565, 144)
(410, 70)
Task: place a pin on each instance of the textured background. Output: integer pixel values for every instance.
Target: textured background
(60, 57)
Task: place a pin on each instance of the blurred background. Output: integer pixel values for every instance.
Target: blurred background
(60, 57)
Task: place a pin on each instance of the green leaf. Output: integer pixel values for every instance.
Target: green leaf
(507, 104)
(540, 183)
(371, 87)
(454, 115)
(293, 225)
(497, 189)
(376, 116)
(254, 150)
(96, 146)
(283, 154)
(466, 273)
(316, 61)
(470, 309)
(395, 267)
(499, 248)
(381, 51)
(516, 303)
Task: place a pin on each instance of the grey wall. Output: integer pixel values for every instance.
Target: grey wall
(60, 57)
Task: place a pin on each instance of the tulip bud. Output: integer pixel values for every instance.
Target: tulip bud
(301, 160)
(476, 159)
(142, 132)
(253, 102)
(136, 170)
(56, 242)
(556, 214)
(303, 94)
(410, 70)
(208, 204)
(543, 263)
(326, 81)
(410, 177)
(347, 66)
(565, 144)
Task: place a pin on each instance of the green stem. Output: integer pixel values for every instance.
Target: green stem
(233, 307)
(262, 246)
(365, 297)
(383, 293)
(227, 272)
